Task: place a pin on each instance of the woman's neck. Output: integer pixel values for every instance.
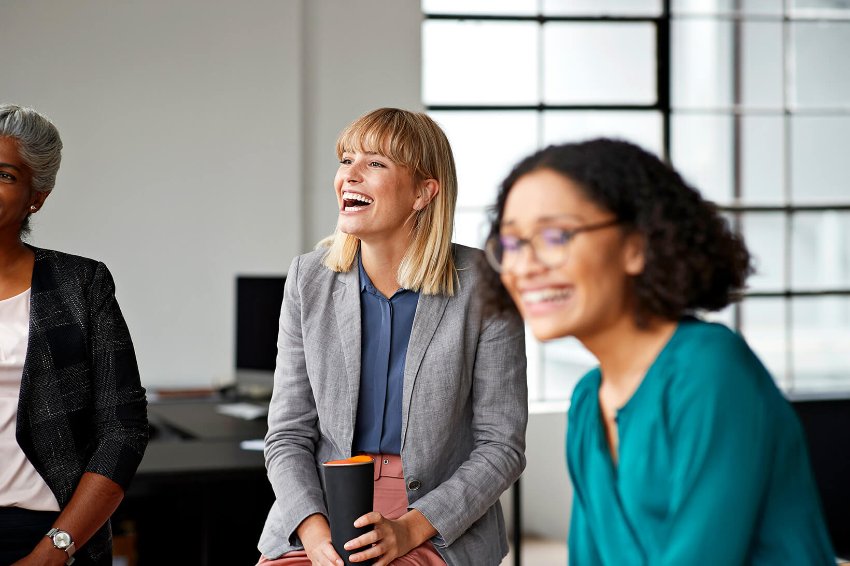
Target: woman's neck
(381, 261)
(16, 264)
(626, 351)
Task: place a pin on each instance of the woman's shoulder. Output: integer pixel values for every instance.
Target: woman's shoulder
(711, 360)
(310, 271)
(63, 259)
(465, 254)
(53, 267)
(710, 342)
(468, 262)
(313, 260)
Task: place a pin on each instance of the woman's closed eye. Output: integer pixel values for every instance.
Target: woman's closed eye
(548, 237)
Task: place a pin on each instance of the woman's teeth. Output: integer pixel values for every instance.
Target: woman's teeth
(355, 201)
(544, 295)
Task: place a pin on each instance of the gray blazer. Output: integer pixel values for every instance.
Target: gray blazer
(464, 407)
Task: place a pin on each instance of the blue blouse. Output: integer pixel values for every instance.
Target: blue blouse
(386, 325)
(713, 467)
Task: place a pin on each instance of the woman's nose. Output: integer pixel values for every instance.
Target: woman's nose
(527, 263)
(353, 174)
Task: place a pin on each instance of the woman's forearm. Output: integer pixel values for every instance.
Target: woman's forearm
(91, 505)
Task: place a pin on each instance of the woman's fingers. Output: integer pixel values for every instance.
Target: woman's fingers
(370, 518)
(327, 556)
(371, 552)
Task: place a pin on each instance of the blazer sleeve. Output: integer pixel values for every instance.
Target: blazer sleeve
(119, 421)
(293, 421)
(499, 419)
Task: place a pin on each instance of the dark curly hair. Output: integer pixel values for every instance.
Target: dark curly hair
(693, 260)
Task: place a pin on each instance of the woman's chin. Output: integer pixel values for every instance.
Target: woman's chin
(549, 328)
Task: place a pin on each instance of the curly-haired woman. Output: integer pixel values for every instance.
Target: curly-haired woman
(680, 447)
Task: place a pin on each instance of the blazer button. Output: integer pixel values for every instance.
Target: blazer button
(413, 485)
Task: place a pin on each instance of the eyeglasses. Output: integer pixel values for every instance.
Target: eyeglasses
(549, 246)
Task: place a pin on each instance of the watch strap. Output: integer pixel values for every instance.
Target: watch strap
(69, 550)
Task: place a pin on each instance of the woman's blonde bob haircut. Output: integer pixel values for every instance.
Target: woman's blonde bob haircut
(416, 142)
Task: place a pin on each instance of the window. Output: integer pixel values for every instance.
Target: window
(749, 99)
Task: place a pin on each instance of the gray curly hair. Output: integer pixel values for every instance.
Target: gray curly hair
(38, 140)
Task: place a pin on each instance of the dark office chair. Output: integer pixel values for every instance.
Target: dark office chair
(826, 423)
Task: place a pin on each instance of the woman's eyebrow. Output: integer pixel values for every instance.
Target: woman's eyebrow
(10, 166)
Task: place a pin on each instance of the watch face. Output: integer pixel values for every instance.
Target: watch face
(62, 540)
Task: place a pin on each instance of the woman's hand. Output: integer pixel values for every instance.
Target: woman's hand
(315, 535)
(44, 554)
(390, 538)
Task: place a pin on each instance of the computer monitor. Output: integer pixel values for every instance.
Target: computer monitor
(258, 300)
(826, 423)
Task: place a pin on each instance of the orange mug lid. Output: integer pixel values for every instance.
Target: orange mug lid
(354, 460)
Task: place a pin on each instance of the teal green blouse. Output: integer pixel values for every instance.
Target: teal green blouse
(713, 467)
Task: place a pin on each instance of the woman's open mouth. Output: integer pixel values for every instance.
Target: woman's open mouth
(352, 202)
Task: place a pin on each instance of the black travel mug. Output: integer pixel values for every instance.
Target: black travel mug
(349, 491)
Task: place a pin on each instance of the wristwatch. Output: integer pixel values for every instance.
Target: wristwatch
(63, 541)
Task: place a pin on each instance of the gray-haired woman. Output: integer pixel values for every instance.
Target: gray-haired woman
(73, 424)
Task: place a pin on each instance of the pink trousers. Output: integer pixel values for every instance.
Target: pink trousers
(391, 502)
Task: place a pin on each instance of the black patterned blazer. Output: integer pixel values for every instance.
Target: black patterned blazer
(82, 407)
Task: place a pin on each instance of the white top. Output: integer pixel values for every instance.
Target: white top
(20, 484)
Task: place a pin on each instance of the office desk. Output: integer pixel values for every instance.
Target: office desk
(199, 420)
(198, 498)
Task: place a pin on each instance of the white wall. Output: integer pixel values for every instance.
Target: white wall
(359, 58)
(189, 129)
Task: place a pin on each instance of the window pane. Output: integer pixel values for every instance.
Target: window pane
(470, 228)
(820, 166)
(602, 7)
(821, 76)
(764, 234)
(821, 333)
(821, 7)
(761, 67)
(565, 361)
(762, 166)
(481, 164)
(763, 325)
(497, 65)
(774, 7)
(821, 250)
(642, 127)
(702, 63)
(761, 7)
(599, 63)
(702, 152)
(490, 7)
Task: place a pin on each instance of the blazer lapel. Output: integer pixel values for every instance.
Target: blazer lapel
(347, 307)
(429, 312)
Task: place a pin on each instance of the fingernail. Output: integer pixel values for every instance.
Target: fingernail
(347, 545)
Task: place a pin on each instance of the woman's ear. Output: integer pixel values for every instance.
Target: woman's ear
(634, 254)
(428, 189)
(37, 200)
